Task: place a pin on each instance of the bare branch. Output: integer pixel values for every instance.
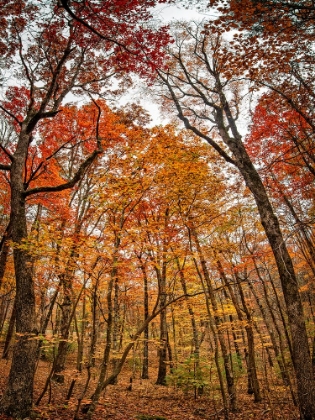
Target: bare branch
(192, 128)
(11, 115)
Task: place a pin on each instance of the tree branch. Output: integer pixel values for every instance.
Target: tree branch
(192, 128)
(40, 116)
(11, 115)
(79, 174)
(91, 29)
(5, 167)
(6, 152)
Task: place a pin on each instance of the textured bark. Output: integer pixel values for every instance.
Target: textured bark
(65, 322)
(161, 276)
(10, 332)
(17, 399)
(4, 251)
(145, 365)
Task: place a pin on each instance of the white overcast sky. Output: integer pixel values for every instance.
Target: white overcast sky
(167, 13)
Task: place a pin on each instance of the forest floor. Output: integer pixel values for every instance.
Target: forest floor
(147, 399)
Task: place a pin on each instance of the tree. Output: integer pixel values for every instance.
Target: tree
(207, 98)
(124, 26)
(55, 55)
(282, 142)
(273, 47)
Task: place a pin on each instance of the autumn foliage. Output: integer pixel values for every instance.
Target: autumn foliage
(167, 266)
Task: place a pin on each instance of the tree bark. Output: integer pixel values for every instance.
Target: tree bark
(145, 365)
(161, 276)
(17, 399)
(65, 323)
(4, 251)
(10, 332)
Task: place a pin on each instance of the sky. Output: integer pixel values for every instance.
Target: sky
(167, 13)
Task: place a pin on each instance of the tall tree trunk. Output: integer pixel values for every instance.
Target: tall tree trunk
(214, 331)
(109, 331)
(280, 309)
(80, 340)
(17, 399)
(279, 355)
(252, 370)
(161, 276)
(145, 365)
(116, 325)
(191, 314)
(162, 351)
(65, 323)
(95, 323)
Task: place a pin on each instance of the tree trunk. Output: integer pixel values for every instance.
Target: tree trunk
(116, 326)
(4, 308)
(253, 384)
(109, 331)
(10, 332)
(4, 250)
(145, 365)
(214, 331)
(66, 305)
(17, 399)
(191, 314)
(162, 352)
(161, 276)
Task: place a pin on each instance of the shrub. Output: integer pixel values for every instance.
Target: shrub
(192, 374)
